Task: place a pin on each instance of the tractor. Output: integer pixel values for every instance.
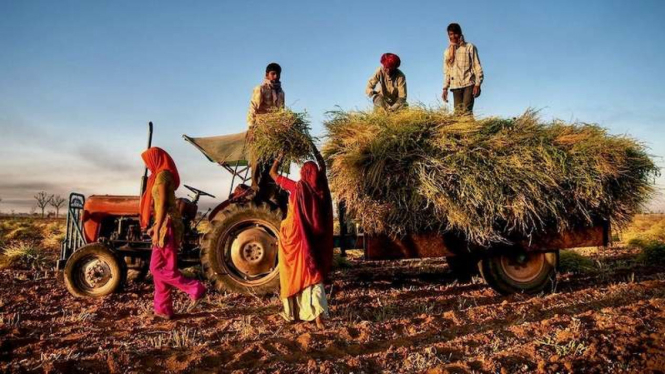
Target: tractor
(238, 252)
(104, 241)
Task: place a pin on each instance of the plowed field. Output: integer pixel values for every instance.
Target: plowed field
(386, 317)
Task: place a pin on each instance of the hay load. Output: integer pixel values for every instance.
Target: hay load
(282, 131)
(426, 170)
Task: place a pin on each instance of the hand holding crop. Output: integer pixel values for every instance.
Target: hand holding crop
(445, 95)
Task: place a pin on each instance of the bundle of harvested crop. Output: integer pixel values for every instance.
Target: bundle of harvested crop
(282, 131)
(423, 170)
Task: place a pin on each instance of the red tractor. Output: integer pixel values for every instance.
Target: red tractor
(238, 253)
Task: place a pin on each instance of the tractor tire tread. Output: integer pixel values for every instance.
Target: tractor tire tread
(222, 281)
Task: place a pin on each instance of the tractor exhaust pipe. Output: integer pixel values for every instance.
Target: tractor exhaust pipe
(144, 180)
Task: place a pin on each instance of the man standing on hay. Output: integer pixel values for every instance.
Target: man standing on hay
(267, 97)
(392, 84)
(462, 71)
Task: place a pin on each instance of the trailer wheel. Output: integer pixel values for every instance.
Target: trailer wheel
(94, 271)
(239, 253)
(530, 273)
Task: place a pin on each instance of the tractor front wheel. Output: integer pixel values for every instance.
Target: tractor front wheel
(520, 272)
(239, 253)
(94, 271)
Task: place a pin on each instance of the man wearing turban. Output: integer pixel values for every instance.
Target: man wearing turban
(387, 87)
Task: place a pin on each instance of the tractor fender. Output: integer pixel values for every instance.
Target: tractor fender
(218, 209)
(241, 194)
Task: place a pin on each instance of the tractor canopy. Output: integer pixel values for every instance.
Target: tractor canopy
(224, 150)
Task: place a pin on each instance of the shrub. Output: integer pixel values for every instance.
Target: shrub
(25, 254)
(652, 251)
(573, 262)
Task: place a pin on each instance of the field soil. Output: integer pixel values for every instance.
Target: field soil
(386, 317)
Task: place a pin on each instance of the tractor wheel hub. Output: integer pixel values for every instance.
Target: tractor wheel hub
(254, 251)
(96, 273)
(523, 267)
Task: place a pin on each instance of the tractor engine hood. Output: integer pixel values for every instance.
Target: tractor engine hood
(99, 207)
(111, 205)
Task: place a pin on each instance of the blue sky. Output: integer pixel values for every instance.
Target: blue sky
(79, 80)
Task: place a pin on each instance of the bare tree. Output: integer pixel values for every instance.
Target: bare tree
(43, 199)
(57, 201)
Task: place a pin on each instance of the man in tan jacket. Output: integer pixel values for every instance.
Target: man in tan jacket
(391, 94)
(462, 70)
(266, 97)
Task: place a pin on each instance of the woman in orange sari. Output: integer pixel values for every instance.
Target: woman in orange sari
(305, 242)
(166, 232)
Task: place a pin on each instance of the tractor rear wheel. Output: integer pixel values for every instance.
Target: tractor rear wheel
(94, 271)
(239, 253)
(521, 272)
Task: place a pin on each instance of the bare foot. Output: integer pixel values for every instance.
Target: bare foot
(319, 323)
(161, 317)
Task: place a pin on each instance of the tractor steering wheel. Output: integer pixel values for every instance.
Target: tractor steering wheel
(197, 192)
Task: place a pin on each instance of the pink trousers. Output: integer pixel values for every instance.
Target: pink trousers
(165, 273)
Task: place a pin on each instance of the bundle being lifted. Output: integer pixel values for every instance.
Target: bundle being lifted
(425, 170)
(282, 131)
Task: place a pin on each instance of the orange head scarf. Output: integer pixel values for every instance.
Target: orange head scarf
(156, 160)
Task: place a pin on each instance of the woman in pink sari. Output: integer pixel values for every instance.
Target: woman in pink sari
(166, 232)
